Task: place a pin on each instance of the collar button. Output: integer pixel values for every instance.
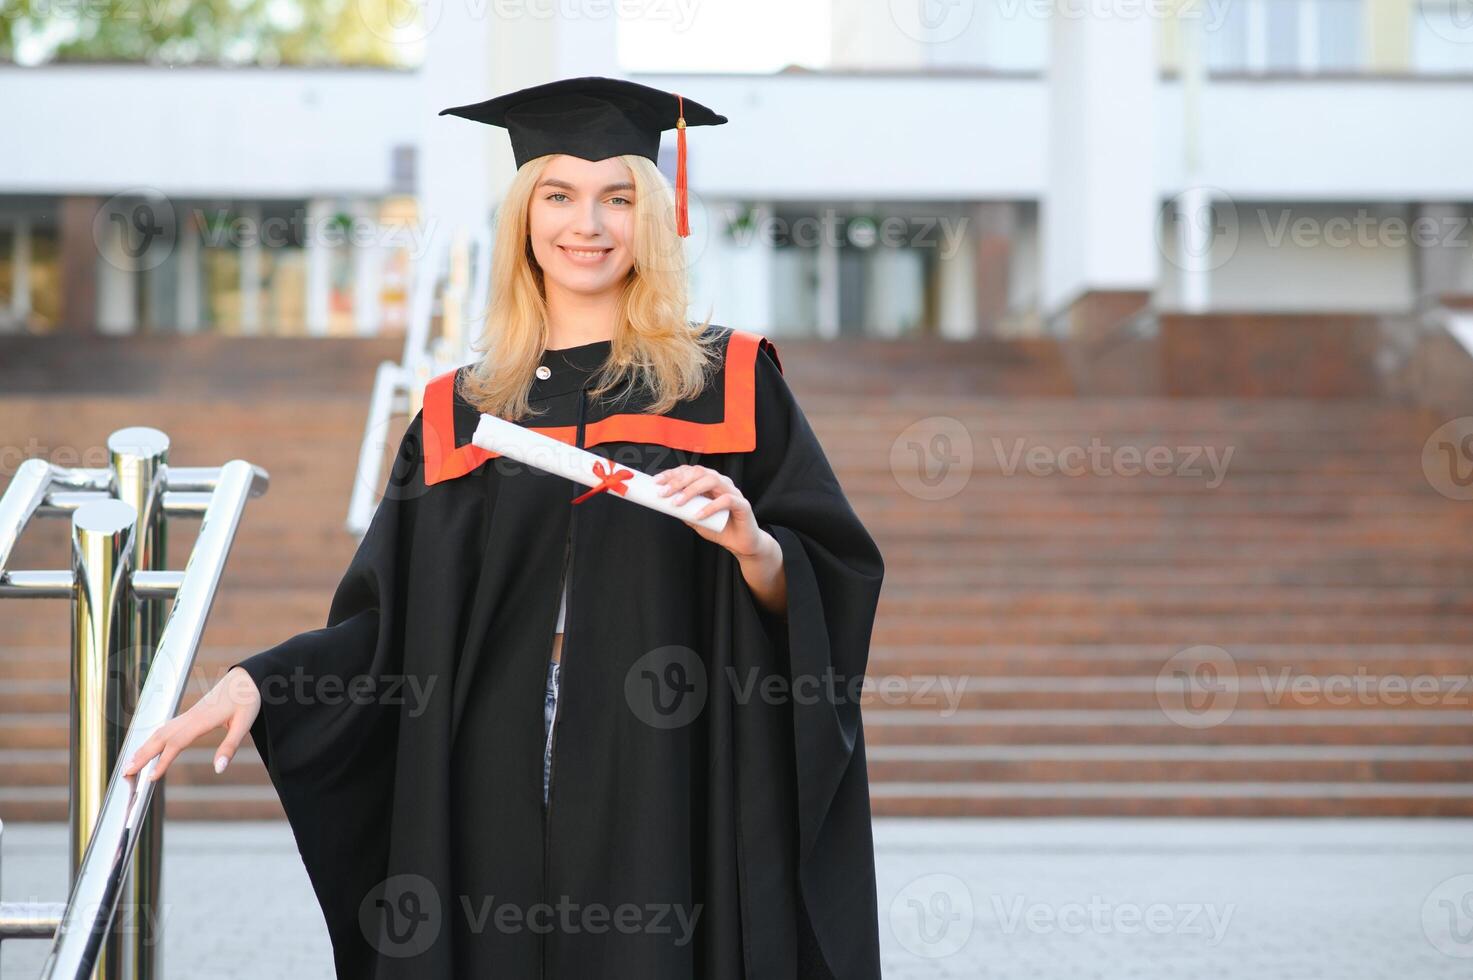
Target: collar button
(544, 372)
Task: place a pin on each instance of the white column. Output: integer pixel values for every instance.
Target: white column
(319, 266)
(1194, 216)
(586, 44)
(187, 300)
(455, 167)
(20, 272)
(867, 34)
(1441, 265)
(731, 277)
(250, 271)
(957, 316)
(1101, 200)
(368, 261)
(117, 280)
(470, 56)
(1255, 27)
(754, 281)
(1309, 36)
(828, 287)
(894, 279)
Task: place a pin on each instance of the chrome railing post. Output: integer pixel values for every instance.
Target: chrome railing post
(139, 456)
(129, 667)
(102, 623)
(79, 939)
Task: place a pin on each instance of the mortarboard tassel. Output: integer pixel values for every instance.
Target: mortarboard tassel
(682, 209)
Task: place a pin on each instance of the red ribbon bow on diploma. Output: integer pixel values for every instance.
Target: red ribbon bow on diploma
(611, 479)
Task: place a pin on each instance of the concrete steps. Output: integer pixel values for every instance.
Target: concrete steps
(1027, 656)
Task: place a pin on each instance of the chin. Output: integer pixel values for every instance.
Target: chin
(579, 281)
(590, 279)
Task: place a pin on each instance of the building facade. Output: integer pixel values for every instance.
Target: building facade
(976, 174)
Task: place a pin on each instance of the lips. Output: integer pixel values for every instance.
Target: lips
(585, 256)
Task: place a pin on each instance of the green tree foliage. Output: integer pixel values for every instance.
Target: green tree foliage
(230, 32)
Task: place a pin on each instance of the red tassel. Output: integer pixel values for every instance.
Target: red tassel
(682, 207)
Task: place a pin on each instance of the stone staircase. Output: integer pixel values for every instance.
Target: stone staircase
(1324, 586)
(1293, 636)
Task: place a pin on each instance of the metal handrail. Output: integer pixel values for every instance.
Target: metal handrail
(125, 659)
(422, 302)
(32, 920)
(25, 495)
(1403, 338)
(93, 900)
(466, 264)
(1433, 314)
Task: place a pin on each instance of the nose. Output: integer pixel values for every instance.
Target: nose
(589, 220)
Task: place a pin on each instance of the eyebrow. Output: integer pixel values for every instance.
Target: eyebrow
(554, 182)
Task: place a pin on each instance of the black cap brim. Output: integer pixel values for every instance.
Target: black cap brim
(589, 117)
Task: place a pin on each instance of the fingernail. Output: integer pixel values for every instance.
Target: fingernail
(220, 763)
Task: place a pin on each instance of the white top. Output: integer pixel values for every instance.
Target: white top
(562, 611)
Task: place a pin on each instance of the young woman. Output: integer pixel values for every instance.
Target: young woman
(556, 734)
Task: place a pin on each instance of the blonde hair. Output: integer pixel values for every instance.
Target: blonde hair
(654, 344)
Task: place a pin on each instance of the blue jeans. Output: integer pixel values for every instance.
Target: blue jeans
(549, 714)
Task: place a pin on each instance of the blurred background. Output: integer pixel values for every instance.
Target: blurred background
(1139, 332)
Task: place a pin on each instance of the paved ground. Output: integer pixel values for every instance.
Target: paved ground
(980, 899)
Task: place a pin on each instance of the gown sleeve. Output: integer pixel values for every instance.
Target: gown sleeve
(326, 732)
(833, 570)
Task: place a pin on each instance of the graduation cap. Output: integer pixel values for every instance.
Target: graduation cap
(595, 118)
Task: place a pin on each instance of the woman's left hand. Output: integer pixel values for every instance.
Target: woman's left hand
(741, 536)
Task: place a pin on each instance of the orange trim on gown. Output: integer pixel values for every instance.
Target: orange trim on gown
(735, 433)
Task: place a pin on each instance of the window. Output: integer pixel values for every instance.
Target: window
(1442, 36)
(1285, 36)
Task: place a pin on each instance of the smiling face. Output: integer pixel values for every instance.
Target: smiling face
(581, 224)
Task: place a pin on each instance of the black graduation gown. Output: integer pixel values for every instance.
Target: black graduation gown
(709, 813)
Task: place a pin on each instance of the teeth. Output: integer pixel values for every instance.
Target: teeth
(585, 254)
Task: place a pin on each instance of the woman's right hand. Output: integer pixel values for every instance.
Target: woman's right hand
(231, 704)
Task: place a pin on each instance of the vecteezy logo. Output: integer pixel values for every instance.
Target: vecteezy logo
(146, 228)
(932, 458)
(396, 23)
(666, 688)
(1198, 687)
(933, 915)
(1199, 229)
(1447, 917)
(401, 916)
(1447, 458)
(932, 21)
(1450, 20)
(136, 230)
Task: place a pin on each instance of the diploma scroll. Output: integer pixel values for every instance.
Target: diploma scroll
(546, 453)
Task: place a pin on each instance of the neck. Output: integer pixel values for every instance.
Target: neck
(574, 319)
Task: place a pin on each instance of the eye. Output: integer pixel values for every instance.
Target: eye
(555, 194)
(624, 199)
